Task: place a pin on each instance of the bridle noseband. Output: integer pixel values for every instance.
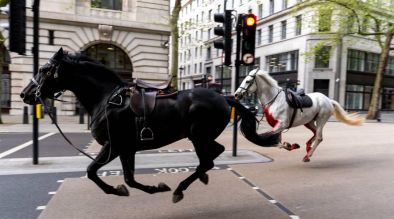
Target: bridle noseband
(250, 82)
(54, 70)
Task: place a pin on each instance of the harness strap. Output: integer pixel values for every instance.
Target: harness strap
(292, 118)
(61, 132)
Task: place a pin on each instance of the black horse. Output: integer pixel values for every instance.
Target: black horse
(198, 114)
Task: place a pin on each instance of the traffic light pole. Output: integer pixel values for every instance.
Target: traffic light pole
(237, 64)
(35, 50)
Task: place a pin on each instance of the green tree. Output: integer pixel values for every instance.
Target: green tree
(370, 18)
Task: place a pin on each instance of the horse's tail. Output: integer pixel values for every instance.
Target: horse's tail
(343, 116)
(249, 127)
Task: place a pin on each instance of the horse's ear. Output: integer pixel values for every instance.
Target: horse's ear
(59, 54)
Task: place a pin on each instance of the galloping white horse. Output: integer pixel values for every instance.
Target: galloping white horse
(280, 115)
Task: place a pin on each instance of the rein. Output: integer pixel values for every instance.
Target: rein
(60, 130)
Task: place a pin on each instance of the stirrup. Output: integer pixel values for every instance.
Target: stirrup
(146, 131)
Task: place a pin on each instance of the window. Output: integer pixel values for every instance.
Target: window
(259, 37)
(322, 57)
(272, 7)
(283, 62)
(298, 25)
(260, 11)
(354, 97)
(107, 4)
(372, 62)
(270, 33)
(284, 4)
(209, 56)
(324, 20)
(51, 37)
(365, 62)
(283, 30)
(112, 57)
(210, 15)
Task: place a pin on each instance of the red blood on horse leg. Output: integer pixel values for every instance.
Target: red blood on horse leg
(309, 142)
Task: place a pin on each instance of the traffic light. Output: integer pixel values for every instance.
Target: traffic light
(225, 32)
(248, 39)
(17, 33)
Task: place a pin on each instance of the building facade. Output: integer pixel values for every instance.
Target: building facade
(129, 36)
(284, 38)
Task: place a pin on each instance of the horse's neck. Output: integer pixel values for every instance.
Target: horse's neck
(266, 92)
(91, 91)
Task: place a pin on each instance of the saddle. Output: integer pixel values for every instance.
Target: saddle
(143, 100)
(297, 100)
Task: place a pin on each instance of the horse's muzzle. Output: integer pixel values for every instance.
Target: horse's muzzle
(28, 95)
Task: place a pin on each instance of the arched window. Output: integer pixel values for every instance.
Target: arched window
(112, 57)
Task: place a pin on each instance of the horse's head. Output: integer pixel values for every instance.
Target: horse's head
(46, 82)
(248, 85)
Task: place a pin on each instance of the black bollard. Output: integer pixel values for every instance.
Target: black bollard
(54, 115)
(25, 115)
(81, 116)
(88, 122)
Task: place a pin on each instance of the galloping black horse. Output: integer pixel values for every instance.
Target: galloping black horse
(198, 114)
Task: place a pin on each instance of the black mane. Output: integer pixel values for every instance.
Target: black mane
(92, 65)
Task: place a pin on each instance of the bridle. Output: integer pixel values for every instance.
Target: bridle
(54, 70)
(250, 82)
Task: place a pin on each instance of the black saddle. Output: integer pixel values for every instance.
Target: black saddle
(298, 99)
(143, 100)
(143, 96)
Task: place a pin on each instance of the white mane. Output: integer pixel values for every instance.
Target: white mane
(267, 77)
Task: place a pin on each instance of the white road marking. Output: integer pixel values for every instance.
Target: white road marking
(20, 147)
(41, 207)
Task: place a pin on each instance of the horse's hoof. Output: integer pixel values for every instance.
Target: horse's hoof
(295, 146)
(204, 179)
(177, 197)
(121, 190)
(162, 187)
(306, 159)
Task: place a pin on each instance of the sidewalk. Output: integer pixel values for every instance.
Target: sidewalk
(13, 123)
(70, 124)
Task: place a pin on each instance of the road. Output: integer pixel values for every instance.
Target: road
(349, 176)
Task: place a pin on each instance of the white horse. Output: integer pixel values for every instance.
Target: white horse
(280, 116)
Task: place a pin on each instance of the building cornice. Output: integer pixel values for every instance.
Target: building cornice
(78, 20)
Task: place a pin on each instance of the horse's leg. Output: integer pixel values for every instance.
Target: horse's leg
(320, 122)
(206, 153)
(311, 126)
(128, 171)
(105, 156)
(279, 127)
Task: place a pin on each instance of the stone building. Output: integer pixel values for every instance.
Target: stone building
(129, 36)
(283, 37)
